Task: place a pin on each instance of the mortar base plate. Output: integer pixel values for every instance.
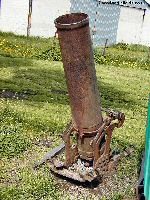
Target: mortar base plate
(77, 171)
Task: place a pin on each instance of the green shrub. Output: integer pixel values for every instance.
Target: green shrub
(53, 53)
(120, 58)
(131, 47)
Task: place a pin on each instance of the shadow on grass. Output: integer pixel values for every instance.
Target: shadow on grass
(112, 97)
(6, 62)
(47, 84)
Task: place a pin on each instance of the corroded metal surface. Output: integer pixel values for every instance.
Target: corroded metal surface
(50, 155)
(77, 55)
(88, 136)
(82, 170)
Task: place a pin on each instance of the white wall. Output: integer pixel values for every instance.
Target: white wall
(130, 25)
(145, 36)
(131, 28)
(14, 16)
(44, 13)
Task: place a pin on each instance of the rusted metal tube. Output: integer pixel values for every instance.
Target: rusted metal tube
(93, 133)
(77, 55)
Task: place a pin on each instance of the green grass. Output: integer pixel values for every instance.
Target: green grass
(42, 112)
(126, 58)
(131, 47)
(122, 55)
(33, 47)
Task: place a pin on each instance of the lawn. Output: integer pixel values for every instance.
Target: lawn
(35, 109)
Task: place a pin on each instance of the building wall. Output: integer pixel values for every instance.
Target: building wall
(14, 16)
(103, 19)
(134, 26)
(145, 36)
(117, 23)
(130, 25)
(44, 13)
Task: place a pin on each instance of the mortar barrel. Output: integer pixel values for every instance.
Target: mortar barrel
(78, 61)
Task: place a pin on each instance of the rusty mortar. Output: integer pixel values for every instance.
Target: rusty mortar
(87, 138)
